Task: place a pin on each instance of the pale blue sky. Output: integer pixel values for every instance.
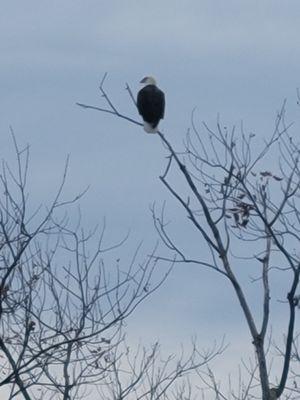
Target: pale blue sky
(236, 58)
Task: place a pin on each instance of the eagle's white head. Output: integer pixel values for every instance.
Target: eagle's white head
(148, 80)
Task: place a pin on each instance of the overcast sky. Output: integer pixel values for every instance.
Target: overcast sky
(239, 59)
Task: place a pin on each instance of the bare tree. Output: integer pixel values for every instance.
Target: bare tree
(143, 374)
(244, 207)
(62, 311)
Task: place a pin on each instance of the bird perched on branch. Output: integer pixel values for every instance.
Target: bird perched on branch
(151, 104)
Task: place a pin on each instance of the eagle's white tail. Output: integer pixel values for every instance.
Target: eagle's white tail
(149, 128)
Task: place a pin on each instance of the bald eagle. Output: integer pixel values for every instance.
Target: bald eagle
(151, 104)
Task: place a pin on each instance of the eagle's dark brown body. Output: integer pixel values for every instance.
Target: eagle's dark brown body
(151, 106)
